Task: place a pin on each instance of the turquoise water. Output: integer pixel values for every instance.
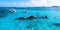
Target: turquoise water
(53, 13)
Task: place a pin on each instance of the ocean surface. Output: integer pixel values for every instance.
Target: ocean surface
(8, 22)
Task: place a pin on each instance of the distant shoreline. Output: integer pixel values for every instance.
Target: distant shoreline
(36, 8)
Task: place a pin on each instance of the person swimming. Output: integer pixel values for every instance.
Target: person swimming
(12, 10)
(5, 11)
(30, 18)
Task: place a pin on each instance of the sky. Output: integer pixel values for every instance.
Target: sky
(29, 3)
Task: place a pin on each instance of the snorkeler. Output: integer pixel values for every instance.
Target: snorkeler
(12, 10)
(5, 11)
(30, 18)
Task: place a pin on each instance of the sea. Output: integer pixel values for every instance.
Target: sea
(52, 22)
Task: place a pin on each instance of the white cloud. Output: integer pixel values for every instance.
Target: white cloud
(31, 3)
(38, 3)
(45, 2)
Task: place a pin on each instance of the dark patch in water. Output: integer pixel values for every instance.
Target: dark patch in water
(3, 12)
(20, 18)
(31, 17)
(28, 26)
(44, 17)
(56, 24)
